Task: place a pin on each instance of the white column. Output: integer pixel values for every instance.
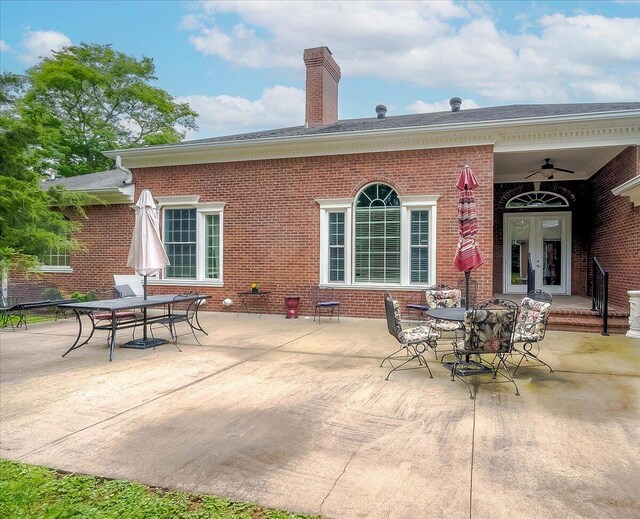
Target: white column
(634, 314)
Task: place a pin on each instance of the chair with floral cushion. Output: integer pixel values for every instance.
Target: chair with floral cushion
(531, 326)
(489, 328)
(413, 341)
(438, 296)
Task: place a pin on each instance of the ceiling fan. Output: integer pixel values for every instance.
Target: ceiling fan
(548, 167)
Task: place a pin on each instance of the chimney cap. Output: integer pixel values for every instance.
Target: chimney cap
(455, 103)
(381, 111)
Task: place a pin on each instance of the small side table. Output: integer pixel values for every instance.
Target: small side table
(292, 303)
(261, 298)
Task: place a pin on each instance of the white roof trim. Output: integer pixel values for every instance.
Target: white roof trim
(584, 130)
(630, 188)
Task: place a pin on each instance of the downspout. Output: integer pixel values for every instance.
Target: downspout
(119, 166)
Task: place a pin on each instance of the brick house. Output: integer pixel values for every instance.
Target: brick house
(369, 205)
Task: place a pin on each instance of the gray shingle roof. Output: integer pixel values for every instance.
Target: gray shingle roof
(476, 115)
(111, 179)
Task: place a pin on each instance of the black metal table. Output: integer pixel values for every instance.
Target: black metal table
(21, 308)
(116, 306)
(446, 314)
(262, 298)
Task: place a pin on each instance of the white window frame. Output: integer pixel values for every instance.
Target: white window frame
(59, 269)
(202, 210)
(347, 206)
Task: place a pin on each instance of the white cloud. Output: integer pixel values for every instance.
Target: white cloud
(554, 58)
(40, 44)
(4, 46)
(278, 107)
(421, 107)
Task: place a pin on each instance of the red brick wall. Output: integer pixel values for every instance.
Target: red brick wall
(271, 219)
(106, 236)
(616, 241)
(574, 192)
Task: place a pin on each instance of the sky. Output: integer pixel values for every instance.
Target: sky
(239, 64)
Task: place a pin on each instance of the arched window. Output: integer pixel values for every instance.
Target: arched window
(378, 239)
(377, 235)
(537, 200)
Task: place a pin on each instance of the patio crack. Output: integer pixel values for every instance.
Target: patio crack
(473, 444)
(344, 469)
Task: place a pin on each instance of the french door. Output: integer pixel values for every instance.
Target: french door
(547, 237)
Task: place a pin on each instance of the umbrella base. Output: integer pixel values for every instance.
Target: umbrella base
(143, 344)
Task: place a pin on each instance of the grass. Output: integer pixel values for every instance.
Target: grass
(30, 491)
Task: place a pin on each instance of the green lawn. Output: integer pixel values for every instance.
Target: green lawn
(30, 491)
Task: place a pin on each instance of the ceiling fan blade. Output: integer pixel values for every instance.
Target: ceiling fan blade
(534, 173)
(550, 177)
(564, 170)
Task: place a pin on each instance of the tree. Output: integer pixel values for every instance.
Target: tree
(29, 224)
(87, 99)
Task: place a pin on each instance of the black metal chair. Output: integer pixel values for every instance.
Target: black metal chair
(324, 301)
(473, 291)
(489, 328)
(181, 313)
(414, 341)
(8, 312)
(121, 317)
(531, 327)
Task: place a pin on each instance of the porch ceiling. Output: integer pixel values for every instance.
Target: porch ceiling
(515, 166)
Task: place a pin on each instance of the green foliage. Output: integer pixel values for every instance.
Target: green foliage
(89, 98)
(28, 491)
(29, 226)
(83, 298)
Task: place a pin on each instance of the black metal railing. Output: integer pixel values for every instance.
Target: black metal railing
(531, 275)
(600, 294)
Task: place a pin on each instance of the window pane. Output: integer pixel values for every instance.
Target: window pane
(180, 242)
(336, 247)
(419, 247)
(377, 239)
(212, 252)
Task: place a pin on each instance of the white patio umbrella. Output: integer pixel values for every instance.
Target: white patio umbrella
(146, 254)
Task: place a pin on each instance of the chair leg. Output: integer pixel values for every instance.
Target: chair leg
(527, 353)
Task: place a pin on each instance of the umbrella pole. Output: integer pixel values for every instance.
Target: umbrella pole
(144, 310)
(467, 275)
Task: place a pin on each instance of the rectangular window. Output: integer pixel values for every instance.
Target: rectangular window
(180, 242)
(56, 258)
(212, 246)
(377, 246)
(419, 246)
(336, 247)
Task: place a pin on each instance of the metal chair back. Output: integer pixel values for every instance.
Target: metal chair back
(489, 327)
(392, 311)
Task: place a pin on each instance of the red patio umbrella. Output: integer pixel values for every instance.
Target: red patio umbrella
(468, 255)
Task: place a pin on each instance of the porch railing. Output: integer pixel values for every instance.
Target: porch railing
(531, 275)
(600, 294)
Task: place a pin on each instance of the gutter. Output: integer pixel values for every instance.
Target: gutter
(392, 132)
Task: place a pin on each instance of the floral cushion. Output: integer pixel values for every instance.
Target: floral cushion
(488, 330)
(417, 334)
(396, 315)
(445, 326)
(532, 320)
(443, 298)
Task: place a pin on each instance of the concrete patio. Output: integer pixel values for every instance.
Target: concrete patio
(298, 416)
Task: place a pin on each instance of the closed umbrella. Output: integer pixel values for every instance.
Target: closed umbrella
(146, 254)
(468, 255)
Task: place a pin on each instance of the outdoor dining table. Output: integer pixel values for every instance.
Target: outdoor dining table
(119, 305)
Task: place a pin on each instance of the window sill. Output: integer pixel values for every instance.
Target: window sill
(57, 270)
(373, 286)
(186, 282)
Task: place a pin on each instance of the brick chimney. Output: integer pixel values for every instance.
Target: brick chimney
(323, 74)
